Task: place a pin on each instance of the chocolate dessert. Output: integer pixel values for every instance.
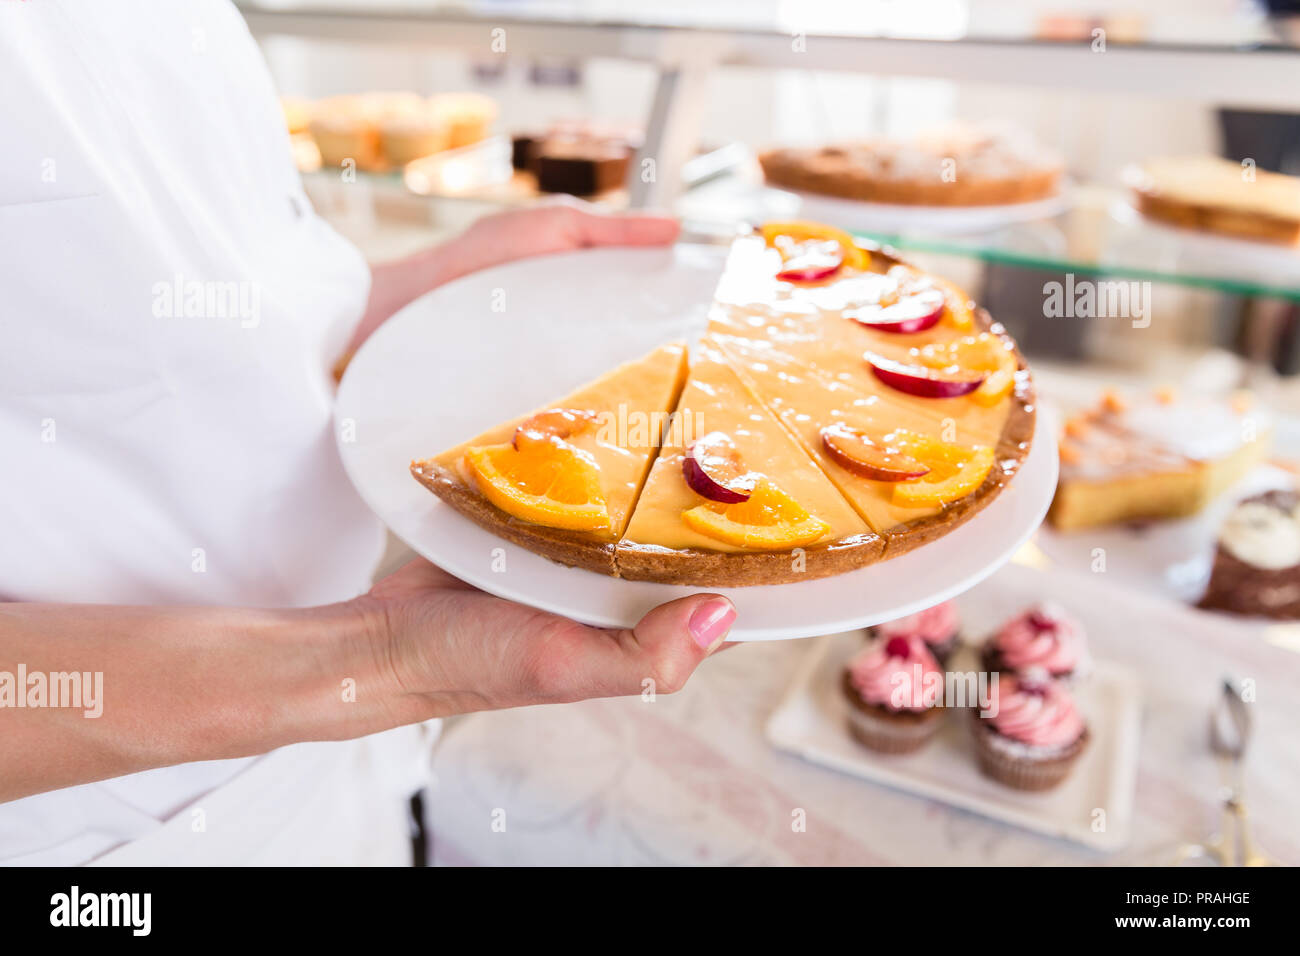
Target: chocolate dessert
(581, 167)
(1257, 564)
(580, 159)
(523, 146)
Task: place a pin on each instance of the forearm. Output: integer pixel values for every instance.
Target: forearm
(394, 284)
(178, 685)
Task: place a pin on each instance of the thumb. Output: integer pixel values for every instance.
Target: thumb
(664, 648)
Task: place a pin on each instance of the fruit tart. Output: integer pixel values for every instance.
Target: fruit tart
(842, 407)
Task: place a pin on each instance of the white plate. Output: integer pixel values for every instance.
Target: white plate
(811, 722)
(449, 366)
(944, 220)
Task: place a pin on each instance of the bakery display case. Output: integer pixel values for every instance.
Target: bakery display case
(1119, 192)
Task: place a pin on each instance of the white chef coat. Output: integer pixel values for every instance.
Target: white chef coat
(158, 448)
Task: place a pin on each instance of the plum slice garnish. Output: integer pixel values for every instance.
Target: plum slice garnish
(923, 381)
(810, 261)
(714, 469)
(555, 422)
(855, 450)
(910, 312)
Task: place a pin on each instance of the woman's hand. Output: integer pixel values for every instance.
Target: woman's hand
(449, 648)
(561, 226)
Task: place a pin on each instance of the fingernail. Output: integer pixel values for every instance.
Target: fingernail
(711, 620)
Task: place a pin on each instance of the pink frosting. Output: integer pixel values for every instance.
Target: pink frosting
(1041, 636)
(1036, 711)
(899, 673)
(933, 625)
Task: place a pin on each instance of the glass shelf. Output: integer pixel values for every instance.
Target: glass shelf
(1098, 234)
(999, 256)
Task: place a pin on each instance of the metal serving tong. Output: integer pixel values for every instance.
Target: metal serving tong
(1230, 729)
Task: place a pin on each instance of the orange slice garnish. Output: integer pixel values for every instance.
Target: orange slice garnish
(541, 479)
(955, 470)
(799, 232)
(984, 352)
(769, 520)
(960, 308)
(560, 422)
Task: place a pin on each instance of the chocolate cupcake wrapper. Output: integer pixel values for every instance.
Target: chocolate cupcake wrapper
(1022, 772)
(884, 734)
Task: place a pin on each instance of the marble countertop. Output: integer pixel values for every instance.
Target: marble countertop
(690, 778)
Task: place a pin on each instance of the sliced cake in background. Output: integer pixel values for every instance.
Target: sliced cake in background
(1210, 194)
(1153, 457)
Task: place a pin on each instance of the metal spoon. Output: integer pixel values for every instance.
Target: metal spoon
(1230, 730)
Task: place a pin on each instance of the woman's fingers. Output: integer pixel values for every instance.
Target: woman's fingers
(639, 230)
(588, 225)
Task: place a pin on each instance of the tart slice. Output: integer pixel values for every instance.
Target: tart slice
(897, 465)
(562, 480)
(733, 500)
(939, 353)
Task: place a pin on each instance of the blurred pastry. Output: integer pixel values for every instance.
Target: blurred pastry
(957, 166)
(297, 114)
(1151, 457)
(894, 687)
(466, 116)
(1257, 561)
(348, 127)
(412, 135)
(581, 167)
(577, 157)
(1033, 734)
(1219, 195)
(522, 149)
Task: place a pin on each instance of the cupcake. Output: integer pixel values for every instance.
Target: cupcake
(466, 116)
(405, 137)
(936, 626)
(1043, 636)
(1033, 734)
(894, 687)
(347, 128)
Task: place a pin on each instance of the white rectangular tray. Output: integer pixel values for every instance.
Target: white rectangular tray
(811, 722)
